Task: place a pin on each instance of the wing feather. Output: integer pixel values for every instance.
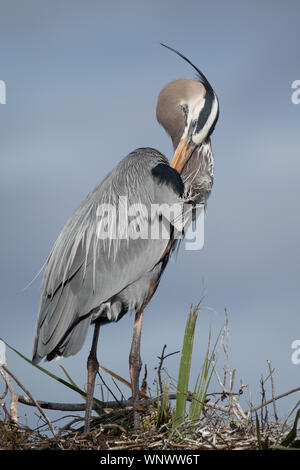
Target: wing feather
(84, 271)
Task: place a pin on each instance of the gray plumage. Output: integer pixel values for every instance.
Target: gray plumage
(88, 278)
(198, 174)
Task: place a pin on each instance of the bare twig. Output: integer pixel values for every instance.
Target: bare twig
(144, 402)
(5, 391)
(13, 415)
(232, 375)
(30, 396)
(282, 395)
(226, 393)
(226, 347)
(3, 406)
(161, 358)
(120, 403)
(109, 404)
(250, 401)
(273, 391)
(263, 407)
(54, 405)
(119, 390)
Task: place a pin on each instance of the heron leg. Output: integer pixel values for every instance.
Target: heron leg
(135, 362)
(92, 369)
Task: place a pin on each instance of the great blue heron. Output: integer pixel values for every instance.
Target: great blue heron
(91, 279)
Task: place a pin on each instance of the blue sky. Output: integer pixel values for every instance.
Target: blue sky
(82, 81)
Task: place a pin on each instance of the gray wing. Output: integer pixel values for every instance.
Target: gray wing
(87, 266)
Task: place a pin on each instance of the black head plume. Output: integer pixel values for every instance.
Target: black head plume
(201, 75)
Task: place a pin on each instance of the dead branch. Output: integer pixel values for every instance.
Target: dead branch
(13, 415)
(30, 396)
(273, 390)
(161, 358)
(145, 402)
(282, 395)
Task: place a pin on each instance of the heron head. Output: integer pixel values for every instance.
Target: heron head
(188, 110)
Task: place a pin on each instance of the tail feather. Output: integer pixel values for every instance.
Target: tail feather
(60, 329)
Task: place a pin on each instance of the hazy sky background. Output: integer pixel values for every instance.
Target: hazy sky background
(82, 82)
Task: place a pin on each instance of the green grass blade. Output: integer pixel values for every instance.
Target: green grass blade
(196, 405)
(67, 375)
(53, 376)
(185, 366)
(203, 381)
(290, 438)
(50, 374)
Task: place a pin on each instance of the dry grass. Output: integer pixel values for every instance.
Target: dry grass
(223, 424)
(114, 432)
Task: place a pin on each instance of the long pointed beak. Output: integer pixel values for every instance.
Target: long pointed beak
(182, 154)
